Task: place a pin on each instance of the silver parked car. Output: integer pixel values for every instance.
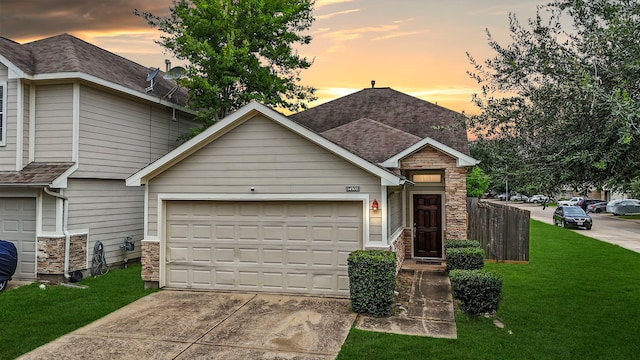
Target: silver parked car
(597, 207)
(623, 207)
(537, 199)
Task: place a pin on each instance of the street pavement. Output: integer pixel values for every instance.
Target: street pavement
(606, 227)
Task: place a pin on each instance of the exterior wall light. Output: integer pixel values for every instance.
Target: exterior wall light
(374, 205)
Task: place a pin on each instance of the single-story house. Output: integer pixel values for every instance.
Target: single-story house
(265, 202)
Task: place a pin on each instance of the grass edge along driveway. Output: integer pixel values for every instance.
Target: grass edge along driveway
(578, 298)
(31, 317)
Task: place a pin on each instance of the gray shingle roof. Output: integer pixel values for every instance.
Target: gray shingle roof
(370, 139)
(35, 173)
(66, 53)
(399, 112)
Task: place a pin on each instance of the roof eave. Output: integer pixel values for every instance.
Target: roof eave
(18, 74)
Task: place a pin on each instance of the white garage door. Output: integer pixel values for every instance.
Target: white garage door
(297, 247)
(18, 225)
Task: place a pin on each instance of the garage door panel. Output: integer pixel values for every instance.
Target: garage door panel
(254, 279)
(224, 255)
(203, 232)
(273, 233)
(201, 278)
(248, 232)
(349, 235)
(296, 234)
(299, 247)
(202, 255)
(248, 279)
(248, 255)
(224, 232)
(323, 258)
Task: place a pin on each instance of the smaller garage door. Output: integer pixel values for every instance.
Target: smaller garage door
(18, 225)
(297, 247)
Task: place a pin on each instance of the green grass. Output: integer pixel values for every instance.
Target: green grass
(578, 298)
(631, 217)
(31, 317)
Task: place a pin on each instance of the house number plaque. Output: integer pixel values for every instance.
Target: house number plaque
(353, 188)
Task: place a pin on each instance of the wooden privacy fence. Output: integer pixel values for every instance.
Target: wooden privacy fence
(503, 231)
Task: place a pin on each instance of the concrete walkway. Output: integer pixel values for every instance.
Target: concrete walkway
(430, 311)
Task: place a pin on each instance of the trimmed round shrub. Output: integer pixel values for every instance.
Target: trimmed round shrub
(464, 258)
(461, 243)
(478, 290)
(372, 280)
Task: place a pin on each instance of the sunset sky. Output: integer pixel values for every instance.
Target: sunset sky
(414, 46)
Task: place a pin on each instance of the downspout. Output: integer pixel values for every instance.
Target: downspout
(65, 230)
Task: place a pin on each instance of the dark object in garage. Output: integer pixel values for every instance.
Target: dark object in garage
(8, 262)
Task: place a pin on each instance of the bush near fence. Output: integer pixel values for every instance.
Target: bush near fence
(466, 258)
(460, 243)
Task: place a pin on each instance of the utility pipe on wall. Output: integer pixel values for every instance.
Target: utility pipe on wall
(65, 230)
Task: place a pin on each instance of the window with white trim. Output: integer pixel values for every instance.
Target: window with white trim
(3, 113)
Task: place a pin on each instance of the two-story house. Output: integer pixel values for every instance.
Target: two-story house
(75, 121)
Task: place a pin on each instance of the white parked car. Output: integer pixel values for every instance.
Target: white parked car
(519, 197)
(571, 202)
(538, 199)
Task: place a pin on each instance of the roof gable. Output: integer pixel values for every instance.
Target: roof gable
(462, 160)
(392, 108)
(243, 114)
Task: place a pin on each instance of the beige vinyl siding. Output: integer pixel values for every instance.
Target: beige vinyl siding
(110, 211)
(4, 73)
(54, 122)
(119, 136)
(262, 154)
(8, 151)
(48, 213)
(394, 201)
(25, 125)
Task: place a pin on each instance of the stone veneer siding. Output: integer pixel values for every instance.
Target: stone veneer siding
(408, 243)
(51, 254)
(398, 247)
(455, 184)
(150, 261)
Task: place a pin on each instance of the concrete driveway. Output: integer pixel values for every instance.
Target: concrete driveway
(173, 324)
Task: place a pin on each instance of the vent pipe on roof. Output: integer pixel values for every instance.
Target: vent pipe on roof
(373, 84)
(167, 64)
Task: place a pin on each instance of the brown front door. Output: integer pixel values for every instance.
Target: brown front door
(427, 235)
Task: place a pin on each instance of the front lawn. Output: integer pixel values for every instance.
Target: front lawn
(30, 316)
(578, 298)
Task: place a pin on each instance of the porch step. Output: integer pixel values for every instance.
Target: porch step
(428, 265)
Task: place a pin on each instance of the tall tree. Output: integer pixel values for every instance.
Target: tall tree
(561, 102)
(238, 51)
